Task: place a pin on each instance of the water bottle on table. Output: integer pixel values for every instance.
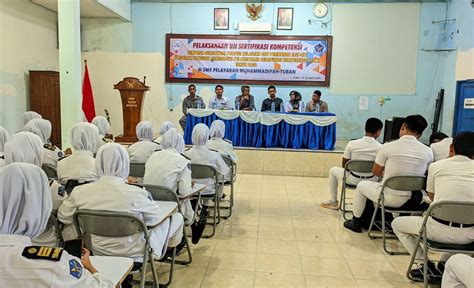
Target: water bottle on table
(273, 106)
(301, 107)
(317, 108)
(198, 105)
(214, 105)
(237, 105)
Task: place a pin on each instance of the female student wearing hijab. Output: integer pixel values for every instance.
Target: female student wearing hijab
(165, 126)
(29, 115)
(42, 128)
(80, 165)
(25, 207)
(103, 125)
(221, 145)
(200, 154)
(111, 192)
(4, 136)
(140, 151)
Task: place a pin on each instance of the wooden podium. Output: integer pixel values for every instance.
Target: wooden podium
(132, 92)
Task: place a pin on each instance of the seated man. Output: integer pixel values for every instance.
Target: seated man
(140, 151)
(459, 272)
(191, 101)
(439, 143)
(221, 145)
(405, 156)
(111, 192)
(316, 104)
(219, 101)
(272, 103)
(365, 148)
(80, 165)
(246, 100)
(448, 179)
(42, 128)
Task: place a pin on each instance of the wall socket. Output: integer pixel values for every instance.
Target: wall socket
(381, 100)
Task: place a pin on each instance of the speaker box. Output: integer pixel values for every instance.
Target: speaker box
(392, 129)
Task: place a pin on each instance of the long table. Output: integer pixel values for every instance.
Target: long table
(269, 129)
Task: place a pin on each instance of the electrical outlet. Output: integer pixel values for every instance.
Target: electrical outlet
(381, 100)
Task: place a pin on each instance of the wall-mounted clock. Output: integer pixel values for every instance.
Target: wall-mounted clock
(320, 10)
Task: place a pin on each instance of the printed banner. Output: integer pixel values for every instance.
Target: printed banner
(302, 60)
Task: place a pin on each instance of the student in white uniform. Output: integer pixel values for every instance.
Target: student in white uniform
(365, 148)
(111, 192)
(4, 136)
(25, 209)
(448, 179)
(200, 154)
(405, 156)
(29, 115)
(140, 151)
(103, 124)
(440, 143)
(459, 272)
(42, 128)
(80, 165)
(221, 145)
(165, 126)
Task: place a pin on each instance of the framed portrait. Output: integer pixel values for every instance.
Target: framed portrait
(285, 19)
(221, 18)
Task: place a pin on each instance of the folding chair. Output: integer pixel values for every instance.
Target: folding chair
(449, 211)
(353, 167)
(233, 170)
(137, 170)
(402, 183)
(200, 171)
(53, 221)
(121, 224)
(50, 171)
(162, 193)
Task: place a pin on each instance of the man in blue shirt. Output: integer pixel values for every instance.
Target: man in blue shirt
(219, 101)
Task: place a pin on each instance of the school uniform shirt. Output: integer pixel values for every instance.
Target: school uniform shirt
(20, 271)
(113, 194)
(80, 166)
(224, 147)
(441, 148)
(140, 151)
(202, 155)
(221, 104)
(452, 179)
(405, 156)
(170, 169)
(51, 155)
(365, 148)
(102, 141)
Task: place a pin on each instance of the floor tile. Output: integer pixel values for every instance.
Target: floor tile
(237, 244)
(277, 246)
(278, 264)
(276, 233)
(233, 260)
(275, 221)
(227, 278)
(270, 280)
(322, 249)
(325, 267)
(318, 235)
(322, 281)
(377, 270)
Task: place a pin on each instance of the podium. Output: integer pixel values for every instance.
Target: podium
(132, 92)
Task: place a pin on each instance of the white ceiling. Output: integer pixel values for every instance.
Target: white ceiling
(89, 8)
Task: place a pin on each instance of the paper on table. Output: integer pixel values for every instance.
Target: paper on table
(363, 103)
(113, 268)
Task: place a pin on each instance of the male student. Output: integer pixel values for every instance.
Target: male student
(365, 148)
(272, 101)
(450, 179)
(439, 143)
(405, 156)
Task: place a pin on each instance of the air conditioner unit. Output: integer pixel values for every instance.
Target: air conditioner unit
(255, 28)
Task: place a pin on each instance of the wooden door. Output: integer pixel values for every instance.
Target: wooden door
(45, 99)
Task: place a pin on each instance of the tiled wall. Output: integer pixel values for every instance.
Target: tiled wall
(287, 162)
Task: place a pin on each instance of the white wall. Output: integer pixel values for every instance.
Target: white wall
(28, 42)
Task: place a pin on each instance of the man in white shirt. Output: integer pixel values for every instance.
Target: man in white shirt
(405, 156)
(440, 143)
(219, 101)
(448, 179)
(365, 148)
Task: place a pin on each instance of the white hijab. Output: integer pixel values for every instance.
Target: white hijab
(4, 136)
(25, 200)
(24, 147)
(172, 139)
(145, 131)
(29, 115)
(101, 123)
(40, 127)
(217, 129)
(165, 126)
(112, 160)
(84, 136)
(200, 135)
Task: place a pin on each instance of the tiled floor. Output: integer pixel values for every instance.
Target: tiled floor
(280, 237)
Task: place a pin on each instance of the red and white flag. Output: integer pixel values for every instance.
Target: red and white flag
(87, 97)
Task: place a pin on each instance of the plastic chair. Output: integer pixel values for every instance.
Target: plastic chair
(450, 211)
(162, 193)
(121, 224)
(137, 169)
(403, 183)
(50, 171)
(233, 170)
(353, 167)
(201, 171)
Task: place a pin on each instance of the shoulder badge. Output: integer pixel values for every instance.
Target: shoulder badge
(42, 252)
(61, 191)
(50, 147)
(60, 154)
(75, 268)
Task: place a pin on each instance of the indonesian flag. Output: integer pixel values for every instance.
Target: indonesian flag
(87, 97)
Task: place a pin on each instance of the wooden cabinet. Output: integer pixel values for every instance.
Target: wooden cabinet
(45, 99)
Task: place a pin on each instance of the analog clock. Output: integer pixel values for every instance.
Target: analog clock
(320, 9)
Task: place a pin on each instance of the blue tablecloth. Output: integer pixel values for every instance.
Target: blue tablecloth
(282, 134)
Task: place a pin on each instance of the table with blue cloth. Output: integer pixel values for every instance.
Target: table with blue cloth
(269, 129)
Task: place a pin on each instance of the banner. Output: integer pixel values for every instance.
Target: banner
(287, 60)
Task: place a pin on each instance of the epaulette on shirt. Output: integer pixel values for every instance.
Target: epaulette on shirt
(42, 252)
(186, 157)
(228, 141)
(214, 150)
(50, 147)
